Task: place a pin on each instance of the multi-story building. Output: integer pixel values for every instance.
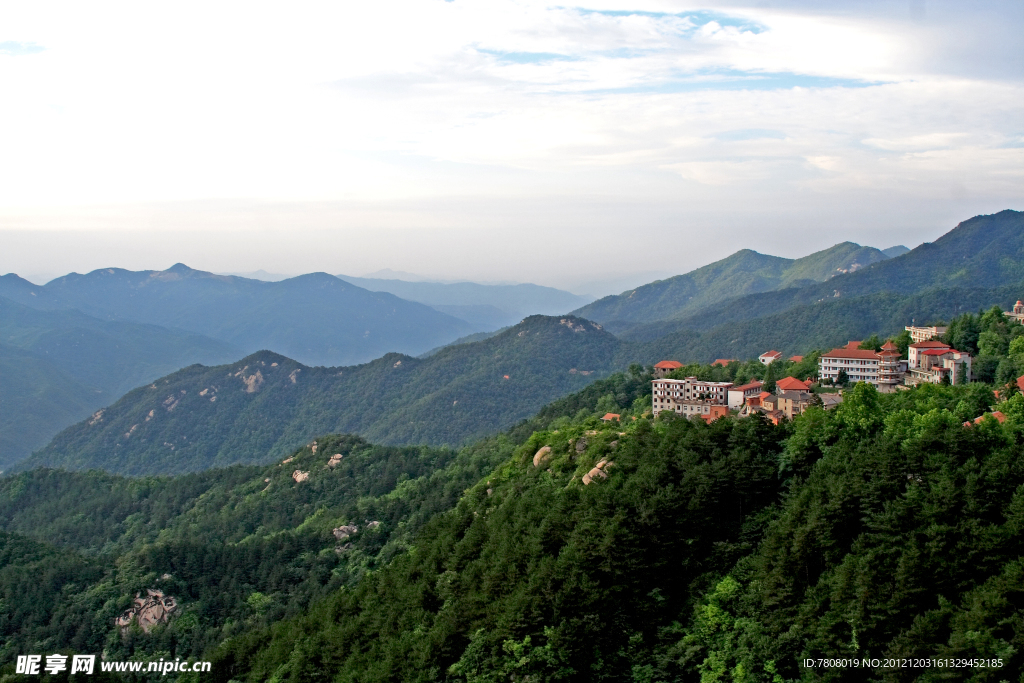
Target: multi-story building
(792, 403)
(769, 357)
(689, 396)
(884, 369)
(920, 334)
(933, 362)
(738, 395)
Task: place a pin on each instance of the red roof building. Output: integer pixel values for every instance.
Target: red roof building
(664, 367)
(793, 384)
(978, 420)
(769, 357)
(609, 417)
(795, 359)
(738, 395)
(723, 361)
(884, 368)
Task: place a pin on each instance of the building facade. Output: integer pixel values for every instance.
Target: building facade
(738, 395)
(935, 362)
(769, 357)
(689, 396)
(920, 334)
(884, 369)
(1017, 313)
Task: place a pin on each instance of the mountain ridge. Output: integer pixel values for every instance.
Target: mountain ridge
(316, 317)
(742, 273)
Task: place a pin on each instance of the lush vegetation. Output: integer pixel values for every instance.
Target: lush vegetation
(239, 547)
(982, 255)
(728, 551)
(60, 366)
(266, 405)
(745, 272)
(722, 551)
(996, 342)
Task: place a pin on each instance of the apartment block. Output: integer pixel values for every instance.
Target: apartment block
(884, 368)
(690, 396)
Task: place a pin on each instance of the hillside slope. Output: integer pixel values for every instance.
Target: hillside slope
(745, 272)
(982, 252)
(315, 318)
(57, 367)
(730, 551)
(266, 404)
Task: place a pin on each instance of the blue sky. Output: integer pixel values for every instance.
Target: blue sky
(498, 139)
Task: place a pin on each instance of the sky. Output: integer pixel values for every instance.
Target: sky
(587, 146)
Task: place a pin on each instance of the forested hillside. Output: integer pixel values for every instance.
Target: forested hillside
(982, 252)
(266, 405)
(238, 547)
(724, 551)
(745, 272)
(314, 318)
(730, 551)
(57, 367)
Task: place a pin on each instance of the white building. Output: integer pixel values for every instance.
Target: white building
(933, 361)
(769, 357)
(738, 395)
(885, 369)
(689, 396)
(920, 334)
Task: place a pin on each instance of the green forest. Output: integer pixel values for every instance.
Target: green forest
(729, 551)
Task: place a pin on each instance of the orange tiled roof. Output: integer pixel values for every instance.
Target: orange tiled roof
(995, 413)
(796, 359)
(792, 384)
(668, 365)
(850, 353)
(929, 345)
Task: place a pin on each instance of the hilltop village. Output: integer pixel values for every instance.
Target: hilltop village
(926, 360)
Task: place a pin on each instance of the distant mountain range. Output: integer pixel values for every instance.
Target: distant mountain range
(57, 367)
(981, 253)
(745, 272)
(266, 405)
(262, 406)
(316, 318)
(484, 307)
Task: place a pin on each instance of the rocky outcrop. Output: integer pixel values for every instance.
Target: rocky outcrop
(599, 471)
(147, 611)
(344, 532)
(299, 476)
(335, 460)
(253, 382)
(581, 444)
(542, 456)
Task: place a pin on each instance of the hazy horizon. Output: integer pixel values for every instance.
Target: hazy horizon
(570, 146)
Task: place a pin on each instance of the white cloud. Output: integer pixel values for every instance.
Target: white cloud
(458, 104)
